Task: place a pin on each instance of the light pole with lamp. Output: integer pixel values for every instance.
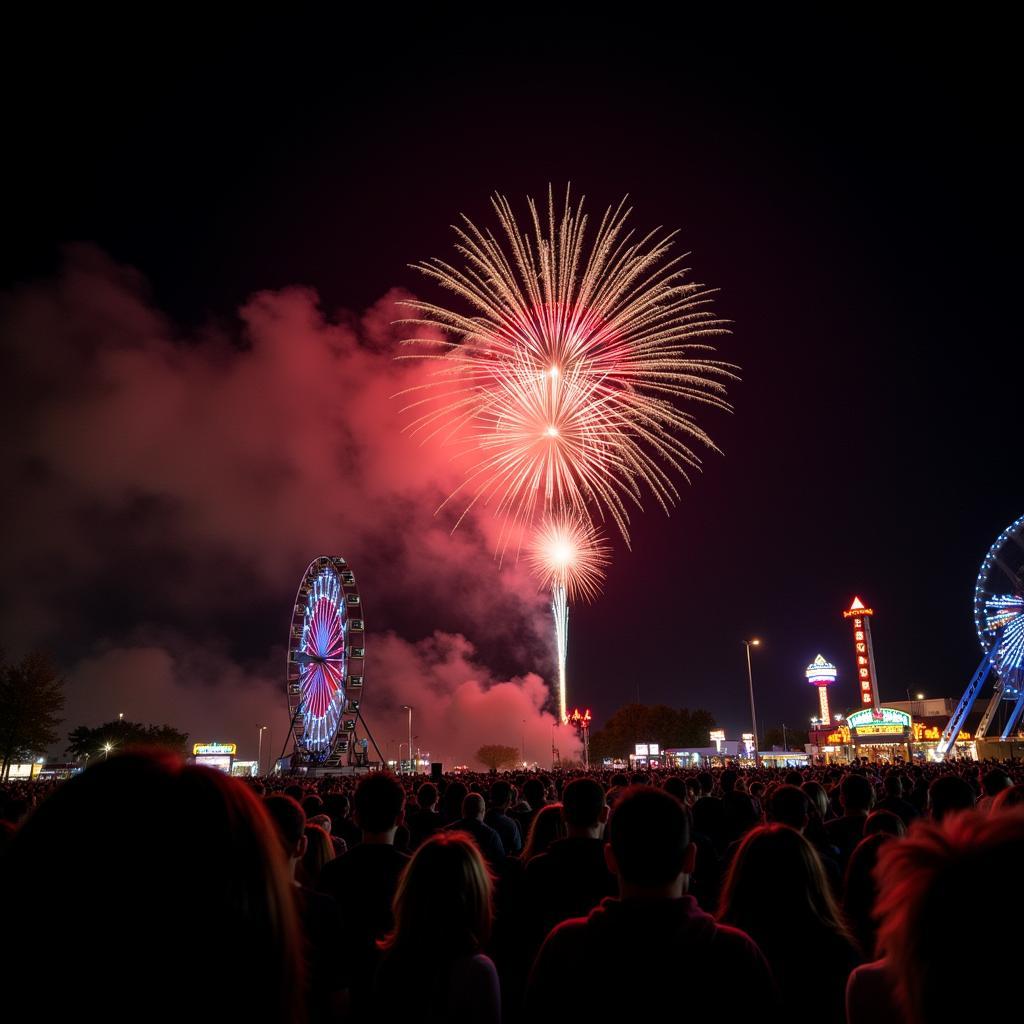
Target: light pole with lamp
(408, 707)
(259, 752)
(753, 716)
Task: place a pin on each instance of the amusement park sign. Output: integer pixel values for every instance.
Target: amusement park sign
(869, 720)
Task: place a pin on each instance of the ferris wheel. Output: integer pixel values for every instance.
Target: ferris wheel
(326, 657)
(999, 623)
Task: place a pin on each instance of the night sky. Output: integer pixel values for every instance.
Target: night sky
(853, 200)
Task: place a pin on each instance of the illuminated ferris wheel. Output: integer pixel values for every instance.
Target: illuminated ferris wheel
(326, 655)
(999, 623)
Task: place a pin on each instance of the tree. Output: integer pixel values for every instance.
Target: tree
(496, 756)
(84, 742)
(31, 699)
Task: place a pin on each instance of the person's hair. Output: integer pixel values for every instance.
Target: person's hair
(819, 798)
(727, 780)
(443, 904)
(884, 821)
(856, 793)
(776, 888)
(288, 818)
(1012, 797)
(706, 781)
(451, 802)
(426, 795)
(994, 781)
(922, 878)
(501, 793)
(379, 802)
(649, 832)
(674, 786)
(893, 784)
(547, 826)
(860, 890)
(533, 793)
(319, 850)
(793, 778)
(472, 805)
(789, 805)
(948, 794)
(211, 853)
(582, 803)
(312, 804)
(619, 781)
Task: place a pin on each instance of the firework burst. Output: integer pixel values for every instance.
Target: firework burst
(562, 383)
(568, 552)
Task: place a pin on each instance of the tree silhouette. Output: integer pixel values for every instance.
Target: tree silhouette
(31, 699)
(496, 756)
(643, 723)
(84, 742)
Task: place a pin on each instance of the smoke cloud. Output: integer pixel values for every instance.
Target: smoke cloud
(166, 488)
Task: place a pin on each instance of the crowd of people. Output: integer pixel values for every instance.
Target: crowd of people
(861, 894)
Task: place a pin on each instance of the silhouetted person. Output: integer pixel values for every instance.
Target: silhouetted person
(571, 878)
(322, 923)
(363, 881)
(424, 820)
(666, 951)
(894, 801)
(472, 823)
(860, 891)
(433, 969)
(132, 856)
(856, 797)
(776, 891)
(947, 795)
(498, 818)
(923, 879)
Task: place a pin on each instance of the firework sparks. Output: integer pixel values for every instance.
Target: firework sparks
(568, 552)
(563, 385)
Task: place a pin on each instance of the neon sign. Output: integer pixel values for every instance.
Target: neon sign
(865, 657)
(215, 748)
(867, 719)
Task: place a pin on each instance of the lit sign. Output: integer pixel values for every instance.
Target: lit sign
(881, 730)
(933, 732)
(717, 735)
(841, 737)
(641, 750)
(868, 719)
(655, 750)
(865, 659)
(820, 672)
(215, 748)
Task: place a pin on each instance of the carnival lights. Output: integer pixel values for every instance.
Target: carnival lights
(822, 675)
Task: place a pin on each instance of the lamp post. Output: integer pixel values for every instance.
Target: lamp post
(259, 754)
(400, 745)
(408, 707)
(753, 716)
(106, 750)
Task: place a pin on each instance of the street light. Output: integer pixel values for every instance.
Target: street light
(753, 716)
(407, 707)
(259, 755)
(106, 751)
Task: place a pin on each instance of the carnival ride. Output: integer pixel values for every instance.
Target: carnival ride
(999, 623)
(324, 678)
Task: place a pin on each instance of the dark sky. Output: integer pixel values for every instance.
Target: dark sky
(852, 194)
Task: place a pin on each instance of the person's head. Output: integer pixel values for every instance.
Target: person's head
(649, 846)
(706, 783)
(319, 850)
(312, 805)
(583, 807)
(994, 781)
(860, 890)
(443, 904)
(290, 823)
(143, 831)
(676, 787)
(947, 795)
(546, 827)
(856, 794)
(793, 778)
(426, 796)
(727, 780)
(936, 867)
(893, 784)
(451, 802)
(339, 807)
(789, 805)
(473, 806)
(533, 793)
(884, 821)
(815, 792)
(500, 795)
(378, 804)
(776, 888)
